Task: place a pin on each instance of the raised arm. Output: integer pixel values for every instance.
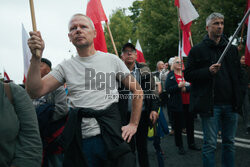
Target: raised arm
(129, 130)
(35, 85)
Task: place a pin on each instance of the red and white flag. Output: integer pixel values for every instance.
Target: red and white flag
(96, 13)
(187, 11)
(26, 53)
(6, 76)
(187, 15)
(247, 49)
(186, 46)
(140, 57)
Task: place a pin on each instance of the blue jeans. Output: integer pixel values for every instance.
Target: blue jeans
(228, 119)
(94, 150)
(55, 160)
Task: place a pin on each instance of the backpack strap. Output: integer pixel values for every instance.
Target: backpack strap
(8, 92)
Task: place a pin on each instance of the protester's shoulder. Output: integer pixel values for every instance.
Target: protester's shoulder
(16, 89)
(19, 94)
(197, 49)
(200, 45)
(144, 67)
(108, 55)
(170, 74)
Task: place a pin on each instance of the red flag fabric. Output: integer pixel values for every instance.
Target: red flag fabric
(187, 11)
(187, 15)
(247, 49)
(248, 6)
(186, 46)
(96, 13)
(6, 76)
(176, 3)
(185, 27)
(99, 41)
(140, 57)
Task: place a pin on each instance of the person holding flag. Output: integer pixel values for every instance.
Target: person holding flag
(217, 90)
(93, 135)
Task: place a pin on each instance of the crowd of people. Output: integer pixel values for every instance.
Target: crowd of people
(102, 119)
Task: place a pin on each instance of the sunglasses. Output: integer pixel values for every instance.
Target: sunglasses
(178, 62)
(129, 51)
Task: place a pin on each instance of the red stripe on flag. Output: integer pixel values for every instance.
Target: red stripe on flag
(6, 76)
(247, 49)
(176, 3)
(140, 57)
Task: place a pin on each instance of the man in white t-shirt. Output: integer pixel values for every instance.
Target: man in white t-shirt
(92, 78)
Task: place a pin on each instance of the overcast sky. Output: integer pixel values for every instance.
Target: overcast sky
(52, 18)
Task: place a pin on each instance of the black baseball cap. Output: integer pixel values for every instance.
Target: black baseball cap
(46, 61)
(128, 45)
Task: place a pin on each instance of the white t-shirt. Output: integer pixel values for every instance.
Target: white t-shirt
(92, 83)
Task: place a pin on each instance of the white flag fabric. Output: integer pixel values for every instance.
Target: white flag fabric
(187, 11)
(26, 52)
(138, 46)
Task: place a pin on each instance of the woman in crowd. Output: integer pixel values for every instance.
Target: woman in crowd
(20, 143)
(178, 104)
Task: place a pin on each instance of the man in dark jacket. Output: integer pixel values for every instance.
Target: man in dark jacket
(51, 112)
(150, 104)
(217, 90)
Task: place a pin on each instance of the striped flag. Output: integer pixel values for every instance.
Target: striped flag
(187, 15)
(140, 57)
(247, 49)
(6, 76)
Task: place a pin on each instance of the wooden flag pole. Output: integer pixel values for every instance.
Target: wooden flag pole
(190, 38)
(180, 41)
(33, 18)
(112, 40)
(241, 36)
(179, 29)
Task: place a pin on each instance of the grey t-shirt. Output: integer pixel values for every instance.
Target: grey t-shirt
(92, 83)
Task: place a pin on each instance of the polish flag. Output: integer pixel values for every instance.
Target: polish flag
(96, 13)
(187, 11)
(247, 49)
(6, 76)
(186, 46)
(187, 15)
(140, 57)
(26, 53)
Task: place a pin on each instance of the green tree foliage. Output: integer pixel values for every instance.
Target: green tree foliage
(232, 10)
(154, 23)
(158, 30)
(135, 9)
(121, 28)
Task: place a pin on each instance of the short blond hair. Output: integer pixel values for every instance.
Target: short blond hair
(79, 14)
(176, 58)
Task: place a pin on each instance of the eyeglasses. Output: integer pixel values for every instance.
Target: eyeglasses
(129, 51)
(178, 62)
